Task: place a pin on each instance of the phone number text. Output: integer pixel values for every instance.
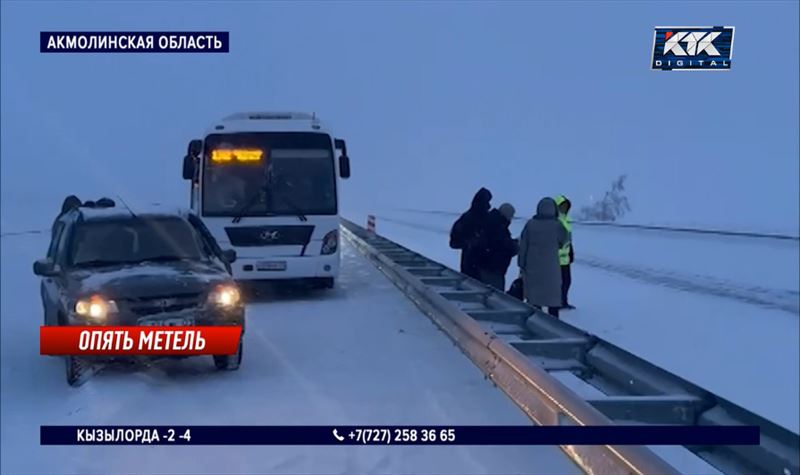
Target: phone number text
(403, 436)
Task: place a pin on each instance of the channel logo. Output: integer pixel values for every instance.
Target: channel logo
(692, 48)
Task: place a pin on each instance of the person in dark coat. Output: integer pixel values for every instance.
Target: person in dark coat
(500, 247)
(68, 204)
(538, 260)
(469, 233)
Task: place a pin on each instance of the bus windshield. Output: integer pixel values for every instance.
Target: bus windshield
(268, 174)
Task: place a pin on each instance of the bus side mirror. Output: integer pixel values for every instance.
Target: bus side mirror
(344, 166)
(195, 146)
(188, 167)
(344, 160)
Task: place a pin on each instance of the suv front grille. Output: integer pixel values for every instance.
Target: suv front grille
(146, 306)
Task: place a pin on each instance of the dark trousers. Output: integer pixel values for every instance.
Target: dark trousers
(468, 266)
(566, 281)
(494, 279)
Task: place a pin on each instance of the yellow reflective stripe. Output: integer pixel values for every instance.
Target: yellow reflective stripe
(563, 255)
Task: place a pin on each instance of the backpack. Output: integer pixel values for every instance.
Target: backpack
(478, 244)
(456, 238)
(517, 289)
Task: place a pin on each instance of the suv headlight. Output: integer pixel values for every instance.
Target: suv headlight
(95, 307)
(330, 242)
(225, 296)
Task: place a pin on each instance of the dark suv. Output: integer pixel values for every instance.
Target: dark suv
(108, 266)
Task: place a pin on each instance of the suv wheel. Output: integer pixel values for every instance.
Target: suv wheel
(230, 362)
(74, 370)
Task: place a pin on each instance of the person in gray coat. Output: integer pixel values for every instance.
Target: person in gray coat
(539, 243)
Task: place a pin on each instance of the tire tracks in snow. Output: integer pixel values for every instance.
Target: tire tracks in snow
(780, 299)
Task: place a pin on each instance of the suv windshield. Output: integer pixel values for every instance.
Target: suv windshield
(134, 240)
(262, 174)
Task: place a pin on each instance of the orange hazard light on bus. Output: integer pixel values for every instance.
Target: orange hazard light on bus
(237, 154)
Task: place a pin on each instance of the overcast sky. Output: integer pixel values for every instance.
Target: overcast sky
(435, 100)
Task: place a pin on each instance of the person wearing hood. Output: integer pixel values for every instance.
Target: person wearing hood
(566, 255)
(500, 247)
(538, 261)
(69, 203)
(469, 233)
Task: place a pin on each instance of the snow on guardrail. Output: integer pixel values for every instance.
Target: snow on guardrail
(543, 398)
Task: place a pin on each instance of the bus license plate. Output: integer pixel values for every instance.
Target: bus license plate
(271, 265)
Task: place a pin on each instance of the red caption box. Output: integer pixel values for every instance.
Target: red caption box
(139, 341)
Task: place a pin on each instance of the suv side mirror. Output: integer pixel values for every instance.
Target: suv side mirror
(188, 167)
(344, 166)
(45, 268)
(229, 255)
(194, 148)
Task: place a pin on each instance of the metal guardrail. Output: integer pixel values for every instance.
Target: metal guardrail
(650, 227)
(521, 349)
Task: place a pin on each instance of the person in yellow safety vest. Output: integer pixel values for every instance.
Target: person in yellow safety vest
(566, 255)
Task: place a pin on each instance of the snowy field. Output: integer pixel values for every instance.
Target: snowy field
(740, 349)
(361, 354)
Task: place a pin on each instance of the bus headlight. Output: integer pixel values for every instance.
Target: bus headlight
(330, 243)
(96, 307)
(225, 296)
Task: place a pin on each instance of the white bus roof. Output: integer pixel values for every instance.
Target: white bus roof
(268, 122)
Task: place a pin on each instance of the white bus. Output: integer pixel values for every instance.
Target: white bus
(266, 184)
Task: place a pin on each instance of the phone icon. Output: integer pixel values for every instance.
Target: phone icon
(338, 437)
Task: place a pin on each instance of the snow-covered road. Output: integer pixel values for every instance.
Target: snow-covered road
(742, 350)
(361, 354)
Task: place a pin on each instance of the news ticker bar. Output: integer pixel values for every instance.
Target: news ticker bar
(134, 42)
(400, 435)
